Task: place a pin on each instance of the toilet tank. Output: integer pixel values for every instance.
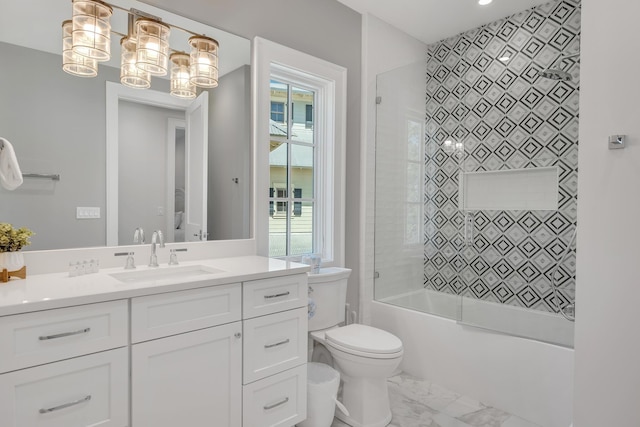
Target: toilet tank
(328, 290)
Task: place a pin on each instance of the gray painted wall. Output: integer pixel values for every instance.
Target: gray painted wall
(322, 28)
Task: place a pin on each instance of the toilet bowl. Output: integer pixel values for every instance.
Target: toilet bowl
(364, 356)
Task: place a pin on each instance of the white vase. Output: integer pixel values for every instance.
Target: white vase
(12, 261)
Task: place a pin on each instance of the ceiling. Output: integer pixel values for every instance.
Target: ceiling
(433, 20)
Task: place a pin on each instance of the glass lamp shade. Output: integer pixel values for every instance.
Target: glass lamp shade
(73, 63)
(181, 85)
(92, 29)
(152, 50)
(130, 74)
(204, 61)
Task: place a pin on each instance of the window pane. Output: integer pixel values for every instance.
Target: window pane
(278, 171)
(279, 101)
(414, 140)
(277, 228)
(302, 171)
(413, 182)
(302, 228)
(412, 225)
(302, 110)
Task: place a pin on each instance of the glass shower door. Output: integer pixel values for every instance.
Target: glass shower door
(400, 195)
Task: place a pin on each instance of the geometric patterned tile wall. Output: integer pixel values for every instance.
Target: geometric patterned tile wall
(507, 117)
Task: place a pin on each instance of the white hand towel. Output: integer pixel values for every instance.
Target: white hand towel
(10, 174)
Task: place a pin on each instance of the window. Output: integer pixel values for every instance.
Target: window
(277, 111)
(300, 159)
(292, 173)
(309, 116)
(413, 183)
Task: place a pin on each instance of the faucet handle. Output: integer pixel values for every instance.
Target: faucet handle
(138, 235)
(173, 257)
(130, 263)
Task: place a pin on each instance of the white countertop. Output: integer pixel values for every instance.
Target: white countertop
(47, 291)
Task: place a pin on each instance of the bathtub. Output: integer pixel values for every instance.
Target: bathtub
(510, 358)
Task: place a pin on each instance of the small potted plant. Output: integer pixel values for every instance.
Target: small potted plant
(12, 240)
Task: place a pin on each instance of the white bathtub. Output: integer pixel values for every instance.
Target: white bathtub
(526, 377)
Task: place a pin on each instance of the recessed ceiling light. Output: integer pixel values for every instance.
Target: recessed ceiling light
(484, 2)
(504, 58)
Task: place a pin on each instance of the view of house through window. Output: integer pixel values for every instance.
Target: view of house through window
(291, 170)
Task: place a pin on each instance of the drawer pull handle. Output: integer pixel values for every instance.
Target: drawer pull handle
(283, 294)
(64, 334)
(275, 405)
(276, 344)
(66, 405)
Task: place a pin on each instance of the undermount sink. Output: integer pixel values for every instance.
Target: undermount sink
(165, 273)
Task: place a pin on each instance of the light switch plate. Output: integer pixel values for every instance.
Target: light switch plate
(87, 212)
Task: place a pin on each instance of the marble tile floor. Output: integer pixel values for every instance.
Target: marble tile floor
(418, 403)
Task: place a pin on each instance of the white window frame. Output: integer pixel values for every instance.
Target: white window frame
(329, 81)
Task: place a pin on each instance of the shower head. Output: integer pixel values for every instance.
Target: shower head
(554, 74)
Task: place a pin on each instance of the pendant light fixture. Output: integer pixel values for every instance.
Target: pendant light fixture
(145, 50)
(130, 74)
(152, 50)
(73, 63)
(91, 32)
(181, 85)
(204, 61)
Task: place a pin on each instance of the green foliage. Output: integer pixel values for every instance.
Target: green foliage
(13, 239)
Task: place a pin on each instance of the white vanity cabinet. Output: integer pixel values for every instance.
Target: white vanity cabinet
(66, 367)
(223, 352)
(186, 358)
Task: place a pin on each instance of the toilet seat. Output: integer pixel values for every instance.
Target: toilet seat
(363, 354)
(365, 341)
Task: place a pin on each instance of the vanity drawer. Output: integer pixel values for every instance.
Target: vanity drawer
(172, 313)
(274, 343)
(276, 401)
(47, 336)
(86, 391)
(268, 296)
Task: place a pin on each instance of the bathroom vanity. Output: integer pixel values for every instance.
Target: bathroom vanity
(219, 342)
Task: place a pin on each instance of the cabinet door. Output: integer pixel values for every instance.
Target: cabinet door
(157, 316)
(274, 343)
(86, 391)
(267, 296)
(276, 401)
(192, 379)
(47, 336)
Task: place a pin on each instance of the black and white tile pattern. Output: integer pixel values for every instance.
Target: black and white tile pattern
(508, 117)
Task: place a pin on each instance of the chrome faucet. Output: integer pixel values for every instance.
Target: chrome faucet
(138, 236)
(157, 235)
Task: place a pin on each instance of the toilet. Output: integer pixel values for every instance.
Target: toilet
(364, 356)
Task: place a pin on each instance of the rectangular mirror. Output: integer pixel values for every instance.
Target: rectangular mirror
(57, 124)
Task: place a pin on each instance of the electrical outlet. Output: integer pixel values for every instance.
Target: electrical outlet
(87, 212)
(160, 211)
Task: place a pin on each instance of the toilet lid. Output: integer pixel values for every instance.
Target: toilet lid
(365, 339)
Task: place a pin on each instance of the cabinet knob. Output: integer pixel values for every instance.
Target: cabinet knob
(237, 335)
